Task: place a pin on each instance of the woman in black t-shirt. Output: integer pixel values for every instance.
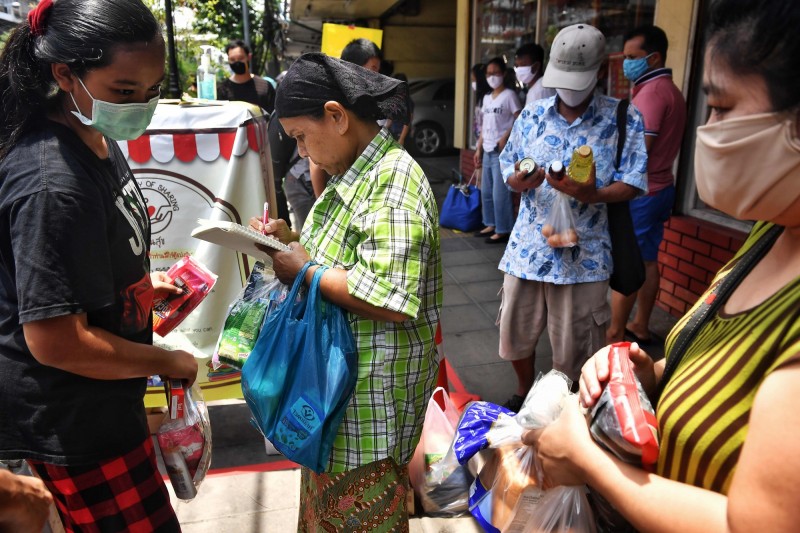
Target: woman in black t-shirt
(75, 285)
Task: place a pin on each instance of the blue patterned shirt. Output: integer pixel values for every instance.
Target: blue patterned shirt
(542, 133)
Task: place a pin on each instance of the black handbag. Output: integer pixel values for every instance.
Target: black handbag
(629, 273)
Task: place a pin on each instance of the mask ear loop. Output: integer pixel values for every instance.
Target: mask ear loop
(79, 114)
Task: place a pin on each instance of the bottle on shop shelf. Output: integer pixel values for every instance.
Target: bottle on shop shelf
(581, 165)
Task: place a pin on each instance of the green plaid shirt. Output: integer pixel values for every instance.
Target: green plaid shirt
(379, 222)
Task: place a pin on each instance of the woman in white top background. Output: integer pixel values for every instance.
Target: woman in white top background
(500, 108)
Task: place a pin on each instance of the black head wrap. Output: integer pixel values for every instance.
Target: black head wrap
(316, 78)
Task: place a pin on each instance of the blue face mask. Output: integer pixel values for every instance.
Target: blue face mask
(634, 68)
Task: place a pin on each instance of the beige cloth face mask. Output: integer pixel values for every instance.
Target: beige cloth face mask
(749, 167)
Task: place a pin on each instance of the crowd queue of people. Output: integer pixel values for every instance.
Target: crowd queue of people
(76, 289)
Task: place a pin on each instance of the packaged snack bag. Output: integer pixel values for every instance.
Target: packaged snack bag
(185, 439)
(261, 294)
(624, 423)
(195, 282)
(623, 420)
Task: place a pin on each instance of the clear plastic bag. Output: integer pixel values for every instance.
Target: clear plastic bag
(562, 510)
(258, 298)
(185, 439)
(559, 226)
(507, 496)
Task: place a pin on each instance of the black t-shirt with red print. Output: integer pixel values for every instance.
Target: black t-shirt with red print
(74, 238)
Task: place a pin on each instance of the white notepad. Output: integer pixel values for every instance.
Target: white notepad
(236, 237)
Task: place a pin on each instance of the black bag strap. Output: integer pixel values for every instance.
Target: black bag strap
(709, 306)
(622, 126)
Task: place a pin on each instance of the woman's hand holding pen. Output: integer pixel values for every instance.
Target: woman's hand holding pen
(285, 264)
(276, 228)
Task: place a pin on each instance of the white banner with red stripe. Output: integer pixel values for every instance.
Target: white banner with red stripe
(202, 162)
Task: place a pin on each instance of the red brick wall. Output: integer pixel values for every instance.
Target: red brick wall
(692, 252)
(467, 163)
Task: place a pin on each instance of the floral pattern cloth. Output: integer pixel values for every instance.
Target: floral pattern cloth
(371, 498)
(541, 133)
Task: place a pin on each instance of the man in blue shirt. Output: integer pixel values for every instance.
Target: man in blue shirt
(566, 288)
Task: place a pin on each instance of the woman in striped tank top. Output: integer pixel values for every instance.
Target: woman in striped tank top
(729, 423)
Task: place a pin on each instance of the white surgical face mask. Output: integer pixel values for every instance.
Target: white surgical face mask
(574, 98)
(749, 167)
(121, 122)
(525, 75)
(494, 81)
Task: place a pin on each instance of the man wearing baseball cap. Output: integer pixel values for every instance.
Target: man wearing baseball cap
(565, 288)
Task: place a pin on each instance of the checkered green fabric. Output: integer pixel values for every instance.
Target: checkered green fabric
(379, 222)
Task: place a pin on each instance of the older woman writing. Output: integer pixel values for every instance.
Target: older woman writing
(376, 227)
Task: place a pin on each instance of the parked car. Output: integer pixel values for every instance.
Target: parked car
(432, 125)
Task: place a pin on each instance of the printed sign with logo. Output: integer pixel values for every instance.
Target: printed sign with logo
(202, 162)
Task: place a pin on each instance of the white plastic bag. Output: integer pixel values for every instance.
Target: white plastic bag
(440, 482)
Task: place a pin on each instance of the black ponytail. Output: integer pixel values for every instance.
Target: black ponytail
(80, 33)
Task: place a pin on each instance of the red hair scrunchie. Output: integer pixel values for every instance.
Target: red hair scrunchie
(37, 16)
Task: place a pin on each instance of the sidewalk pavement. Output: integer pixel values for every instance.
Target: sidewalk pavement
(248, 491)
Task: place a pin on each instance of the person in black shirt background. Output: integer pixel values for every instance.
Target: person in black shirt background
(243, 85)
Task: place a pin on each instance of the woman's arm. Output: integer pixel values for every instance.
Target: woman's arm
(69, 343)
(477, 158)
(764, 493)
(334, 288)
(333, 284)
(403, 135)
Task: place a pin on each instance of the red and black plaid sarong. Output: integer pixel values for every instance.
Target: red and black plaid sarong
(122, 494)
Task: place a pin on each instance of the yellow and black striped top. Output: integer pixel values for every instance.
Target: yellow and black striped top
(704, 410)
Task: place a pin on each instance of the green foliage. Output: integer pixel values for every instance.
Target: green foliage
(4, 38)
(221, 21)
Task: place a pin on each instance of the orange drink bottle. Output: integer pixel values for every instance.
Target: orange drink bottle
(581, 165)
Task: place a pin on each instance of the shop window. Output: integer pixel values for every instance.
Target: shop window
(502, 26)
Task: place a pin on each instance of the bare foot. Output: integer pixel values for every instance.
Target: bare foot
(642, 336)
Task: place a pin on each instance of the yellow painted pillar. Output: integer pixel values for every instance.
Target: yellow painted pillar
(461, 125)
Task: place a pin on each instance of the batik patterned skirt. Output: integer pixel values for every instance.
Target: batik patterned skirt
(371, 498)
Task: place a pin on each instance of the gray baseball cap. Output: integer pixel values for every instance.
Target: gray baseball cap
(575, 57)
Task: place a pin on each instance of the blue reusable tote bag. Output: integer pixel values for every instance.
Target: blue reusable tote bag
(461, 209)
(301, 374)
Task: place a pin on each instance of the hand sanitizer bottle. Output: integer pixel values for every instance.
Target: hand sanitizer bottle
(206, 76)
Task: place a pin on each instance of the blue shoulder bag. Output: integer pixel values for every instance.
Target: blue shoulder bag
(301, 374)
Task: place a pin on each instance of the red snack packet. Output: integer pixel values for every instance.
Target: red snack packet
(196, 282)
(623, 420)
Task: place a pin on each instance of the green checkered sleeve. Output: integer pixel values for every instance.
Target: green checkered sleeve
(391, 260)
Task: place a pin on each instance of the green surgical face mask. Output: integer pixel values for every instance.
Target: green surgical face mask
(121, 122)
